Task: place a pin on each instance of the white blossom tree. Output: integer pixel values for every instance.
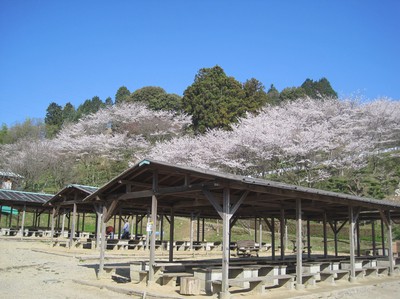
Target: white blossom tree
(310, 138)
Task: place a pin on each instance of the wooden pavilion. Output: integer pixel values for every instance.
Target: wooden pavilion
(23, 202)
(164, 188)
(68, 202)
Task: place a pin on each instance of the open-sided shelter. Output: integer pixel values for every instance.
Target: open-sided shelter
(70, 200)
(21, 201)
(162, 188)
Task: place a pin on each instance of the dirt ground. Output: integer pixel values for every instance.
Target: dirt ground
(33, 269)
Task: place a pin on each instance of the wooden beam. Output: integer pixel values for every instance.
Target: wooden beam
(168, 191)
(214, 203)
(239, 202)
(110, 210)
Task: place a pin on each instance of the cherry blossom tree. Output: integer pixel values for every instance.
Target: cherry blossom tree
(113, 133)
(312, 139)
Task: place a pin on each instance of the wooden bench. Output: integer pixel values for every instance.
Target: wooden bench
(294, 242)
(309, 279)
(283, 280)
(376, 271)
(256, 284)
(180, 245)
(139, 276)
(331, 276)
(85, 243)
(59, 242)
(115, 270)
(116, 244)
(246, 248)
(138, 272)
(112, 269)
(170, 278)
(199, 245)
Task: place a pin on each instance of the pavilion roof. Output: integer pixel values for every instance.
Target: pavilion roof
(73, 193)
(188, 190)
(21, 197)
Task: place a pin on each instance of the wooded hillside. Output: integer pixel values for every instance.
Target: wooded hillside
(219, 123)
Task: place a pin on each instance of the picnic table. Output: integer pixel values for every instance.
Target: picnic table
(294, 242)
(246, 248)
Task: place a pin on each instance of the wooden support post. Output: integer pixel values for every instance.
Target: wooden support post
(153, 229)
(325, 235)
(335, 236)
(48, 219)
(386, 219)
(383, 237)
(23, 222)
(171, 236)
(308, 239)
(18, 219)
(255, 229)
(203, 229)
(373, 237)
(260, 232)
(299, 245)
(115, 224)
(103, 245)
(226, 246)
(191, 232)
(136, 224)
(63, 223)
(198, 229)
(352, 245)
(226, 212)
(390, 248)
(147, 232)
(282, 229)
(99, 220)
(358, 238)
(120, 223)
(58, 221)
(273, 237)
(152, 238)
(71, 237)
(78, 222)
(53, 216)
(83, 221)
(11, 213)
(69, 221)
(162, 228)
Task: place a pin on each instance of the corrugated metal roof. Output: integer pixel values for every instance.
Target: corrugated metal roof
(22, 196)
(87, 189)
(10, 174)
(67, 191)
(340, 197)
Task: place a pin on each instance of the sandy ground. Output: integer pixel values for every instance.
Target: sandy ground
(32, 269)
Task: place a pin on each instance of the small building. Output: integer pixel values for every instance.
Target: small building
(9, 180)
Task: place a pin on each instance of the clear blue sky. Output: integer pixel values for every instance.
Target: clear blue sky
(70, 51)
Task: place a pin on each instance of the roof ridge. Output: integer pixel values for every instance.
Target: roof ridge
(82, 185)
(17, 191)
